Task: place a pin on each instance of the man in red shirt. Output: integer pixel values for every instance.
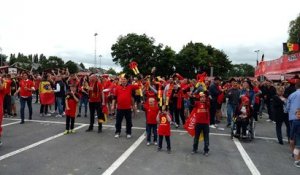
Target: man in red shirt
(26, 87)
(1, 108)
(122, 97)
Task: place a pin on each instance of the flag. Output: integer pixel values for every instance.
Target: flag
(189, 125)
(295, 47)
(47, 96)
(285, 48)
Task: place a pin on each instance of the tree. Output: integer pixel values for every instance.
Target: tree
(3, 59)
(241, 70)
(138, 48)
(196, 58)
(165, 62)
(111, 71)
(73, 68)
(82, 66)
(294, 30)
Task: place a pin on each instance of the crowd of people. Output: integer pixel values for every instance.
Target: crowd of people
(189, 103)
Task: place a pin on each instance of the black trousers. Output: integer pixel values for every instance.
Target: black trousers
(179, 112)
(285, 120)
(119, 118)
(213, 110)
(44, 109)
(7, 104)
(160, 140)
(198, 128)
(68, 121)
(241, 123)
(95, 107)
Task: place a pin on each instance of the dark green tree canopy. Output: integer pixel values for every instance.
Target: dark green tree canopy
(241, 70)
(294, 30)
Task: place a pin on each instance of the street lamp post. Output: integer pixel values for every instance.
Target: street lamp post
(257, 52)
(95, 61)
(100, 56)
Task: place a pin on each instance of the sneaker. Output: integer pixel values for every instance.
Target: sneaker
(48, 115)
(58, 116)
(128, 136)
(205, 154)
(85, 115)
(212, 126)
(78, 115)
(228, 125)
(89, 130)
(155, 143)
(22, 122)
(73, 131)
(148, 144)
(66, 132)
(52, 112)
(297, 164)
(193, 152)
(169, 151)
(117, 135)
(0, 141)
(41, 115)
(63, 113)
(159, 149)
(280, 142)
(268, 120)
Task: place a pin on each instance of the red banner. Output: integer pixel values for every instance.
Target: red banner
(283, 65)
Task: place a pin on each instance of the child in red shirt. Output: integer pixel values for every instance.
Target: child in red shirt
(164, 118)
(202, 123)
(151, 110)
(72, 99)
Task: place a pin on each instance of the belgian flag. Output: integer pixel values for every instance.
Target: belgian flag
(293, 47)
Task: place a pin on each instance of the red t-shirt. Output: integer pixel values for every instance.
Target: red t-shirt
(72, 104)
(37, 84)
(7, 85)
(202, 113)
(2, 93)
(151, 113)
(95, 92)
(26, 83)
(164, 127)
(123, 94)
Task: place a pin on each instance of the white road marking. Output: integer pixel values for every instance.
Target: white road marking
(246, 157)
(12, 123)
(138, 128)
(124, 156)
(36, 144)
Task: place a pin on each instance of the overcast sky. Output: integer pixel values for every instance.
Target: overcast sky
(66, 28)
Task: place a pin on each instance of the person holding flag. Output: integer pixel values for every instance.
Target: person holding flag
(198, 123)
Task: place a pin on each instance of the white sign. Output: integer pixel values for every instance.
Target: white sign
(12, 70)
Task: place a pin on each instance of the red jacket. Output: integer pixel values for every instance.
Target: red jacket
(26, 83)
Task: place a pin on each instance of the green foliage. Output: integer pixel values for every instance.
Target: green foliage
(82, 66)
(73, 68)
(196, 58)
(138, 48)
(111, 71)
(2, 59)
(294, 30)
(241, 70)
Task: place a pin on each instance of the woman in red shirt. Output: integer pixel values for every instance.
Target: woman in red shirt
(26, 87)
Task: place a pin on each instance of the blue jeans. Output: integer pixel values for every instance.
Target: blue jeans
(153, 128)
(230, 112)
(22, 105)
(59, 104)
(83, 100)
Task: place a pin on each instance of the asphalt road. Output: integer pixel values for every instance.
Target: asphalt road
(39, 147)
